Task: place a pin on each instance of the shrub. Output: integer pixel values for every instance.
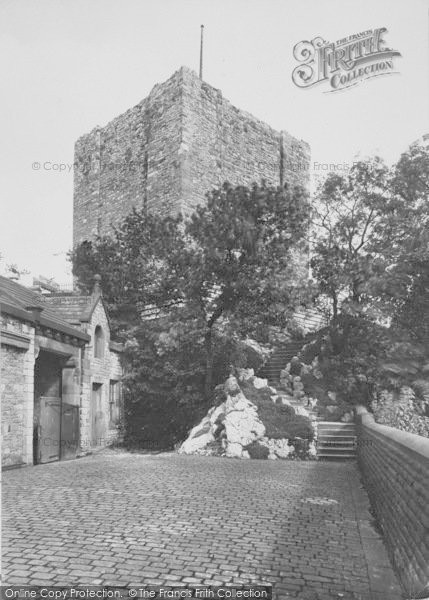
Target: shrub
(259, 396)
(298, 427)
(353, 352)
(316, 388)
(254, 356)
(164, 380)
(160, 422)
(312, 349)
(280, 420)
(301, 447)
(295, 366)
(257, 451)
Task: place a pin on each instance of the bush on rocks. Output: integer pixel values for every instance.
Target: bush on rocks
(301, 447)
(254, 354)
(295, 366)
(312, 349)
(261, 396)
(280, 420)
(315, 388)
(257, 451)
(298, 427)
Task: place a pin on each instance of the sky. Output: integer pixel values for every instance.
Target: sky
(69, 65)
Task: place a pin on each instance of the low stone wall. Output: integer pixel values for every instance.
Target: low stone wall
(395, 466)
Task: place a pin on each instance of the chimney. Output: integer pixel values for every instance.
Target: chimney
(36, 310)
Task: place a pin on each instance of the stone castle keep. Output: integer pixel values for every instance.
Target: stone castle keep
(169, 150)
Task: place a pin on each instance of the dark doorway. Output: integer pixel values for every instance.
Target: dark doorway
(56, 423)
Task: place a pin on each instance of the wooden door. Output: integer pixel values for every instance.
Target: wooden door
(69, 431)
(98, 418)
(49, 434)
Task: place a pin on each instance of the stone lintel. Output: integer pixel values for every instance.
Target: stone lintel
(56, 346)
(17, 340)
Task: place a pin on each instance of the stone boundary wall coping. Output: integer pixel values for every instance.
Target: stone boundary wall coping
(395, 470)
(410, 441)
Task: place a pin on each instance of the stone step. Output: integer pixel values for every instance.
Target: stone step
(336, 428)
(339, 456)
(329, 430)
(336, 445)
(339, 438)
(333, 433)
(279, 359)
(334, 449)
(336, 440)
(337, 423)
(337, 451)
(334, 436)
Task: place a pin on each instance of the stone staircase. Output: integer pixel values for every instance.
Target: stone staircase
(278, 361)
(336, 440)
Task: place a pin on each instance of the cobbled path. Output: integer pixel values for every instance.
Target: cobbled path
(131, 519)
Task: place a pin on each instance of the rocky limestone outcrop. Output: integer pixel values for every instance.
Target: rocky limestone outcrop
(234, 429)
(242, 425)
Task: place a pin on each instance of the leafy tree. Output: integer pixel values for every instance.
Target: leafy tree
(240, 257)
(134, 265)
(371, 259)
(165, 376)
(228, 272)
(411, 176)
(404, 283)
(346, 216)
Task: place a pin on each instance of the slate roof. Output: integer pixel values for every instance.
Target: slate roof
(74, 309)
(79, 309)
(16, 298)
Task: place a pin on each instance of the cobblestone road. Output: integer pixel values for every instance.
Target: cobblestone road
(131, 519)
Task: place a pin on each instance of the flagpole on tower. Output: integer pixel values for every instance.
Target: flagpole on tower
(201, 51)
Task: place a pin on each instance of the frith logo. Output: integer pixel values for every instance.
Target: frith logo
(343, 63)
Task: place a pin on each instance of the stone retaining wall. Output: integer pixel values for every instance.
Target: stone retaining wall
(395, 467)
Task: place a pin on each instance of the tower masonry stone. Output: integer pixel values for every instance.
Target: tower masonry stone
(167, 152)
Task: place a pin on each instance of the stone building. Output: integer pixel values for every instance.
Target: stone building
(60, 380)
(172, 148)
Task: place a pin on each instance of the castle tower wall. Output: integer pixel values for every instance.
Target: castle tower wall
(172, 148)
